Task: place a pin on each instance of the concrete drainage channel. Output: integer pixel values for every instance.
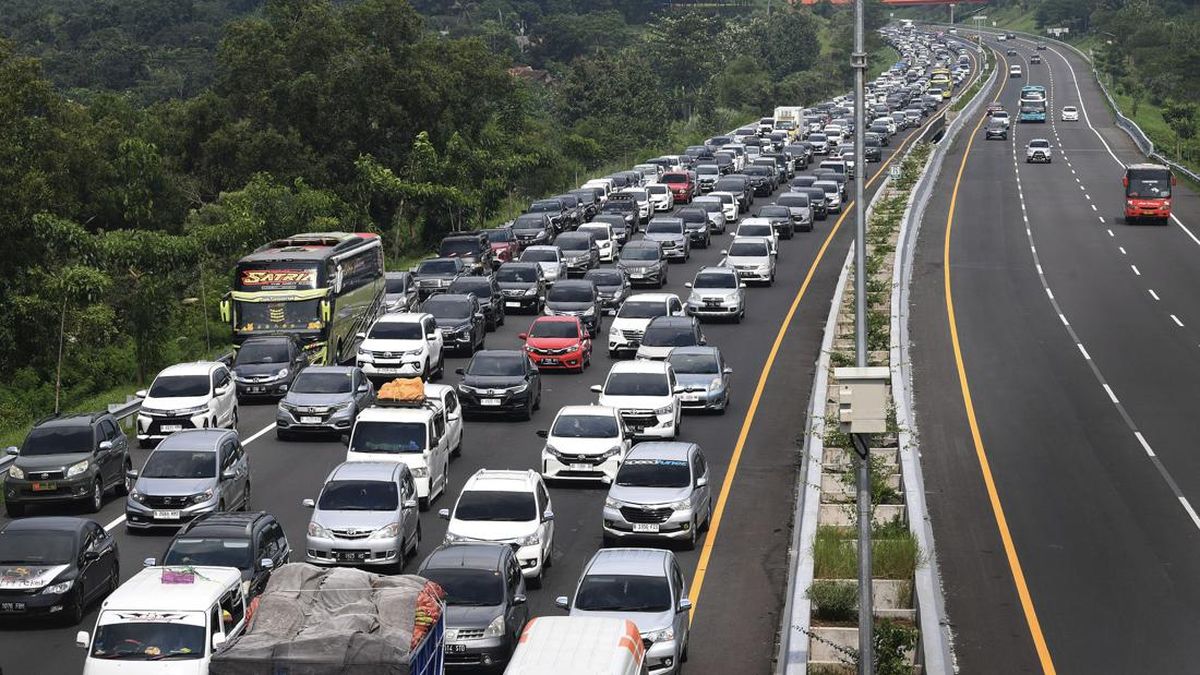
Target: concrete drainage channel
(819, 634)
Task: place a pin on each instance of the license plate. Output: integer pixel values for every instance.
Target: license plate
(350, 556)
(489, 401)
(645, 527)
(45, 487)
(171, 428)
(310, 420)
(511, 303)
(455, 648)
(690, 397)
(637, 275)
(581, 467)
(550, 362)
(12, 607)
(166, 515)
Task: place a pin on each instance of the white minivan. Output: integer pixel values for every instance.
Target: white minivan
(415, 433)
(166, 620)
(552, 645)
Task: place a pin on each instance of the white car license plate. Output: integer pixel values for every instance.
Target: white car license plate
(512, 303)
(581, 467)
(310, 420)
(166, 515)
(691, 397)
(489, 401)
(171, 428)
(645, 527)
(637, 275)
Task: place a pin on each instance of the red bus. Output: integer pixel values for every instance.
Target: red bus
(1148, 192)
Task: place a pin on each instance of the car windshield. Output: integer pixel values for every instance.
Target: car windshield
(585, 426)
(598, 233)
(637, 384)
(388, 437)
(443, 308)
(262, 352)
(654, 473)
(793, 200)
(623, 593)
(552, 206)
(1150, 185)
(510, 275)
(396, 284)
(574, 244)
(1039, 143)
(467, 587)
(179, 386)
(748, 249)
(437, 267)
(755, 230)
(664, 227)
(359, 495)
(459, 247)
(674, 178)
(693, 364)
(554, 329)
(539, 255)
(639, 253)
(396, 330)
(181, 464)
(529, 224)
(657, 189)
(36, 547)
(499, 505)
(317, 382)
(669, 336)
(715, 280)
(57, 440)
(641, 310)
(211, 551)
(497, 365)
(774, 212)
(499, 235)
(605, 277)
(708, 169)
(149, 641)
(572, 293)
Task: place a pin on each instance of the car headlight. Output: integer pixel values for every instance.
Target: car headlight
(495, 629)
(529, 540)
(136, 496)
(519, 389)
(420, 472)
(340, 406)
(188, 412)
(466, 389)
(660, 635)
(318, 530)
(59, 588)
(715, 384)
(553, 451)
(283, 372)
(680, 505)
(78, 468)
(667, 409)
(388, 531)
(531, 291)
(590, 311)
(611, 503)
(461, 330)
(201, 497)
(611, 452)
(366, 356)
(15, 471)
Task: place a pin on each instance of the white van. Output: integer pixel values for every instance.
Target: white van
(552, 645)
(166, 619)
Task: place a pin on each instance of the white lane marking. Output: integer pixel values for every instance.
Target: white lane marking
(1136, 270)
(1153, 294)
(1177, 321)
(1142, 440)
(1110, 233)
(1111, 395)
(1190, 510)
(1101, 218)
(1086, 355)
(1122, 250)
(1063, 318)
(1087, 196)
(1039, 267)
(115, 522)
(1094, 208)
(1072, 170)
(1081, 187)
(1049, 293)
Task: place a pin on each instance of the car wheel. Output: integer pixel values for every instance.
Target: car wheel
(527, 413)
(96, 500)
(535, 582)
(14, 510)
(690, 544)
(126, 483)
(235, 419)
(614, 354)
(608, 542)
(74, 614)
(457, 451)
(500, 320)
(537, 402)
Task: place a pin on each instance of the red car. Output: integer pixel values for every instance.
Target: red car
(505, 247)
(682, 184)
(558, 342)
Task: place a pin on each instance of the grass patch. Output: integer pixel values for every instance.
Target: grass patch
(894, 554)
(15, 434)
(834, 602)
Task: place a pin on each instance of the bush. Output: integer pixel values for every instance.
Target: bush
(834, 601)
(894, 553)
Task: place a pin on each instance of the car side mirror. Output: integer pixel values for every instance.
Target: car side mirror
(228, 474)
(597, 388)
(679, 390)
(687, 284)
(519, 599)
(132, 474)
(308, 503)
(562, 602)
(459, 371)
(703, 341)
(12, 450)
(364, 388)
(522, 336)
(217, 640)
(685, 604)
(727, 370)
(89, 556)
(542, 433)
(547, 516)
(266, 563)
(83, 639)
(361, 336)
(141, 393)
(702, 481)
(104, 446)
(742, 285)
(726, 252)
(149, 562)
(431, 336)
(444, 514)
(410, 503)
(479, 316)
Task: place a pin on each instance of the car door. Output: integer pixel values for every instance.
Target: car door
(226, 397)
(230, 481)
(242, 467)
(92, 572)
(518, 611)
(408, 502)
(454, 419)
(364, 391)
(266, 547)
(546, 516)
(434, 337)
(439, 456)
(679, 592)
(701, 491)
(533, 377)
(110, 452)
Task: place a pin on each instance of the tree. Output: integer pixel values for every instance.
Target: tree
(1181, 117)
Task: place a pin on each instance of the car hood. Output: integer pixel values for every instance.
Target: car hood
(50, 462)
(452, 324)
(118, 667)
(619, 324)
(608, 290)
(748, 260)
(573, 253)
(663, 236)
(582, 446)
(654, 352)
(492, 381)
(549, 268)
(359, 520)
(256, 369)
(174, 402)
(517, 285)
(697, 381)
(648, 495)
(316, 399)
(568, 306)
(636, 402)
(722, 293)
(492, 530)
(378, 345)
(28, 577)
(174, 486)
(469, 616)
(638, 264)
(552, 343)
(646, 621)
(437, 275)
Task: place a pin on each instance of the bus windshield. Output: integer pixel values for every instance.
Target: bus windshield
(1148, 183)
(271, 316)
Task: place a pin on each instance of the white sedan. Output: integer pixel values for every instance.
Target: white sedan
(1070, 113)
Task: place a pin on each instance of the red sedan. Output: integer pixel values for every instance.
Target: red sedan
(558, 342)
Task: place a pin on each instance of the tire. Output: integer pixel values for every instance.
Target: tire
(74, 615)
(14, 510)
(441, 367)
(537, 402)
(608, 542)
(96, 502)
(422, 503)
(125, 484)
(690, 544)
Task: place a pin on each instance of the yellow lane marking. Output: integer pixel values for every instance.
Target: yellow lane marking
(748, 420)
(1010, 549)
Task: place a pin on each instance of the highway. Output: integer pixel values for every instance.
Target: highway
(1056, 353)
(737, 577)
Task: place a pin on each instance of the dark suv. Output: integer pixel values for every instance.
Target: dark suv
(460, 319)
(576, 297)
(267, 366)
(251, 541)
(556, 210)
(73, 458)
(487, 291)
(473, 248)
(523, 285)
(500, 381)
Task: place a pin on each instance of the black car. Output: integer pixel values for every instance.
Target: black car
(55, 566)
(575, 209)
(579, 250)
(627, 209)
(784, 165)
(644, 262)
(267, 366)
(881, 131)
(739, 185)
(436, 274)
(400, 292)
(484, 588)
(473, 248)
(872, 149)
(589, 202)
(696, 225)
(781, 219)
(555, 209)
(71, 458)
(576, 297)
(251, 541)
(460, 319)
(612, 285)
(487, 291)
(620, 225)
(817, 200)
(762, 180)
(523, 285)
(533, 229)
(500, 381)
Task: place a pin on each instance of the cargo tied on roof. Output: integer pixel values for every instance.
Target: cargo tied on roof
(402, 391)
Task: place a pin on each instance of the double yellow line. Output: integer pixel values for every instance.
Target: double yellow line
(748, 421)
(1010, 549)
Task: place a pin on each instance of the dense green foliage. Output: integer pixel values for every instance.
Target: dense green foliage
(126, 201)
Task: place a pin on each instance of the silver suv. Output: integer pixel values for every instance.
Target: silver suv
(323, 399)
(717, 292)
(190, 473)
(366, 515)
(1038, 150)
(661, 492)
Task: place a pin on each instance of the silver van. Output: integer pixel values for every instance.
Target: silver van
(190, 473)
(366, 515)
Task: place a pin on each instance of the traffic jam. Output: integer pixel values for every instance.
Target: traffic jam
(405, 369)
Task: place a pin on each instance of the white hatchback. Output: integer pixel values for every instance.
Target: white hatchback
(506, 507)
(585, 442)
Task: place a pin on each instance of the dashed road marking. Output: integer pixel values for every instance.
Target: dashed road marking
(1154, 295)
(1083, 351)
(1110, 393)
(1177, 321)
(1145, 445)
(1136, 270)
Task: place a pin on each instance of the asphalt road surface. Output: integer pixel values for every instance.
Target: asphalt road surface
(1057, 362)
(740, 567)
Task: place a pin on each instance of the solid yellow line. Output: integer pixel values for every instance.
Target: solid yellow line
(748, 420)
(1010, 549)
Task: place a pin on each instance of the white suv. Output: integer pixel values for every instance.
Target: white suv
(195, 395)
(586, 442)
(402, 345)
(507, 507)
(645, 394)
(416, 434)
(626, 330)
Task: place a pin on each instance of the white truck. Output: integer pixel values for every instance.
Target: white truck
(788, 118)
